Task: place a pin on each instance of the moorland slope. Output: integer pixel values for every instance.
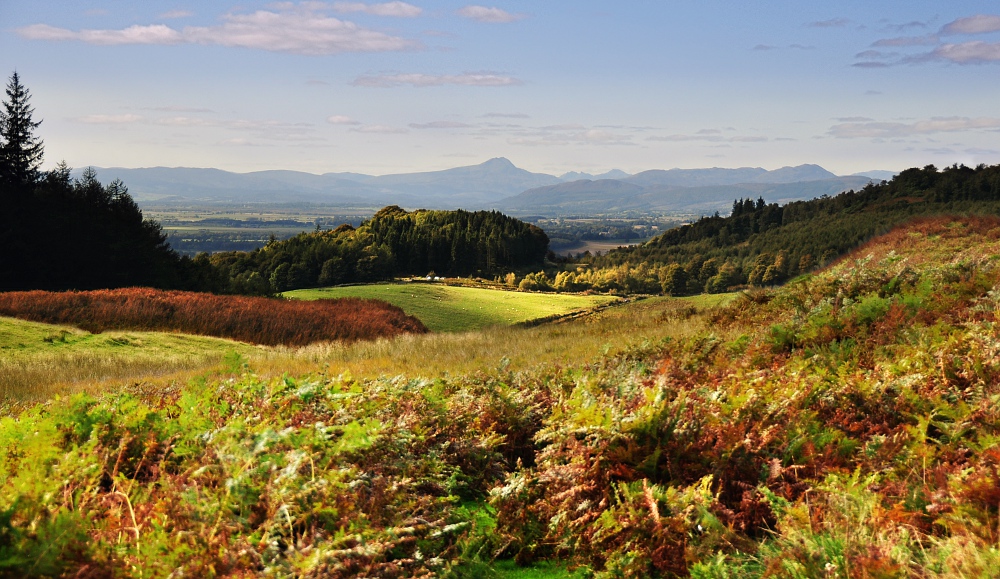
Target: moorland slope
(844, 425)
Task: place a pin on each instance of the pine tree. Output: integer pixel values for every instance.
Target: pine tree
(20, 149)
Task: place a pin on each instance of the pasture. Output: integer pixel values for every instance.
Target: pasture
(444, 308)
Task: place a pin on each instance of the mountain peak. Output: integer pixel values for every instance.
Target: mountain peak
(499, 163)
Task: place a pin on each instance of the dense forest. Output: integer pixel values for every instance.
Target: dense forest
(763, 243)
(60, 233)
(392, 243)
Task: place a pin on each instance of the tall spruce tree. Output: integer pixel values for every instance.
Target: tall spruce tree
(20, 148)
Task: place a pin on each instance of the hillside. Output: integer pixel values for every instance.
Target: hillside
(763, 243)
(475, 186)
(843, 426)
(392, 243)
(650, 193)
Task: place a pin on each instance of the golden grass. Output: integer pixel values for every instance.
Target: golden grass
(35, 365)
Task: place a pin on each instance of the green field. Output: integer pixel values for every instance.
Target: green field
(444, 308)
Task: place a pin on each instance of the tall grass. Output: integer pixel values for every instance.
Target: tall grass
(247, 319)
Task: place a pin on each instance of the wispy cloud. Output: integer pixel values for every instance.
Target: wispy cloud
(426, 80)
(769, 47)
(506, 116)
(297, 29)
(440, 125)
(109, 119)
(832, 23)
(979, 24)
(584, 137)
(494, 15)
(971, 52)
(341, 120)
(926, 40)
(381, 130)
(180, 109)
(876, 55)
(396, 9)
(891, 130)
(176, 14)
(707, 136)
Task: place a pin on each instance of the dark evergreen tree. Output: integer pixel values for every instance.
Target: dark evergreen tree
(20, 148)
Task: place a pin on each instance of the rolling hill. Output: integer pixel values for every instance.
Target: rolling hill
(471, 187)
(656, 193)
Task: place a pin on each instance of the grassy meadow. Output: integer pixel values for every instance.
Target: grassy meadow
(38, 361)
(41, 360)
(444, 308)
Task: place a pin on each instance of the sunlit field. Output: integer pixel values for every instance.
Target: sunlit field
(444, 308)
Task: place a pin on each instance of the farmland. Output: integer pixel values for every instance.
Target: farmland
(445, 308)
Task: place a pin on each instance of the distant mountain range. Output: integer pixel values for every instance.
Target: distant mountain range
(497, 183)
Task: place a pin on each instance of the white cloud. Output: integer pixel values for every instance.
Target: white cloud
(494, 15)
(397, 9)
(341, 120)
(884, 130)
(425, 80)
(109, 119)
(185, 122)
(440, 125)
(977, 52)
(979, 24)
(176, 14)
(381, 130)
(153, 34)
(506, 116)
(297, 29)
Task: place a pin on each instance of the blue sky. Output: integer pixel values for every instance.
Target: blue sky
(555, 86)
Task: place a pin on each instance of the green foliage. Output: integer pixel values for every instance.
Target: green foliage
(762, 244)
(392, 243)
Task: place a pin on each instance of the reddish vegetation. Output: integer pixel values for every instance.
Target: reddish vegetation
(247, 319)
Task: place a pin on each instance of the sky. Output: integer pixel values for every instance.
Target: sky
(554, 86)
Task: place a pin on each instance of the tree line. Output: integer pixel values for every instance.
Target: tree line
(61, 233)
(763, 243)
(393, 243)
